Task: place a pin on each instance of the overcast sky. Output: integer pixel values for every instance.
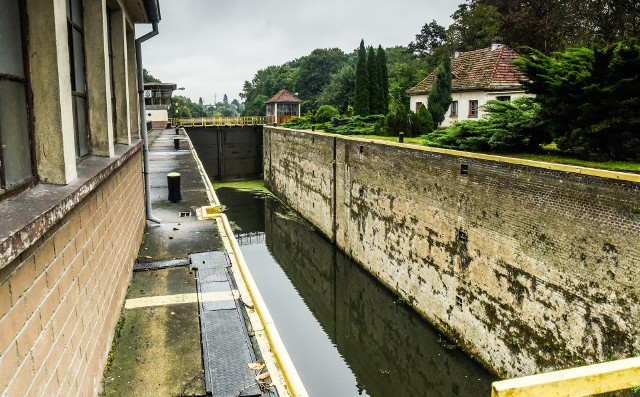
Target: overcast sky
(211, 47)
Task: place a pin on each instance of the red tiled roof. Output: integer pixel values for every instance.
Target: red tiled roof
(480, 69)
(283, 96)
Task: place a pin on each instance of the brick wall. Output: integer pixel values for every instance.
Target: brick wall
(61, 299)
(529, 268)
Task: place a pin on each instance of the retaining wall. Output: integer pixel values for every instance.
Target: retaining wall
(530, 267)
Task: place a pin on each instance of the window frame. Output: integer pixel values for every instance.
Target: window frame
(473, 110)
(6, 192)
(418, 105)
(71, 25)
(453, 109)
(506, 98)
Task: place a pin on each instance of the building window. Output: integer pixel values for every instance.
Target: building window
(15, 141)
(75, 27)
(114, 116)
(503, 98)
(454, 108)
(473, 108)
(418, 106)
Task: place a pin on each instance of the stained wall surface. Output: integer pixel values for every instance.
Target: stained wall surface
(61, 299)
(530, 267)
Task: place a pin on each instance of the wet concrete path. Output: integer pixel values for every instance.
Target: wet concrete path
(345, 332)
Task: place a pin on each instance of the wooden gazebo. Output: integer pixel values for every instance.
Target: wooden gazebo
(282, 107)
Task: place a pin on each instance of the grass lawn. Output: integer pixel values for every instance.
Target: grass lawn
(625, 166)
(559, 159)
(407, 139)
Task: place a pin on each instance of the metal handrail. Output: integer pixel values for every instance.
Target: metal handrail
(217, 121)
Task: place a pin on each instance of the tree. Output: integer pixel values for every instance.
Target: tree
(384, 78)
(148, 78)
(424, 120)
(314, 74)
(265, 83)
(361, 102)
(225, 99)
(376, 100)
(200, 101)
(339, 93)
(440, 94)
(428, 40)
(589, 98)
(474, 26)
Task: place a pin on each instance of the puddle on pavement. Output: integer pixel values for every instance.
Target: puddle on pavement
(345, 332)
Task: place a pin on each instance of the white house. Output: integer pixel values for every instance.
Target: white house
(476, 77)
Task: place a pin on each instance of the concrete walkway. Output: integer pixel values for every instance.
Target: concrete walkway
(158, 345)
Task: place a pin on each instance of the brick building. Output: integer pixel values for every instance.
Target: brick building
(71, 186)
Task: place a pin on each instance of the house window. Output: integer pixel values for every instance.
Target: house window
(473, 108)
(75, 30)
(454, 108)
(418, 106)
(16, 166)
(504, 98)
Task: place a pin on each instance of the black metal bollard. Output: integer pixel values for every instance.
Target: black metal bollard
(313, 127)
(177, 130)
(173, 185)
(401, 137)
(176, 143)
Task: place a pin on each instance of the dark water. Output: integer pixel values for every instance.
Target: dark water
(345, 332)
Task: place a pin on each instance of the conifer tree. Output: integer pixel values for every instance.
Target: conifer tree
(375, 82)
(425, 120)
(384, 78)
(361, 102)
(440, 94)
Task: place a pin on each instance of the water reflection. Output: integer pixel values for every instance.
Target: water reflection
(345, 332)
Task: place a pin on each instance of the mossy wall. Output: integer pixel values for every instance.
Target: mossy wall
(528, 267)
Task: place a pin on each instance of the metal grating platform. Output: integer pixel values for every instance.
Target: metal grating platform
(139, 266)
(226, 345)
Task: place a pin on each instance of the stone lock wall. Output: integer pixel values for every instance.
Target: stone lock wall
(60, 300)
(530, 267)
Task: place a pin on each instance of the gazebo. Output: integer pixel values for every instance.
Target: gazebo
(282, 107)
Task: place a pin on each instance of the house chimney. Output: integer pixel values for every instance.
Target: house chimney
(456, 54)
(495, 44)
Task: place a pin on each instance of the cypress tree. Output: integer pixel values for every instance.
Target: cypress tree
(425, 121)
(440, 94)
(384, 77)
(361, 102)
(375, 90)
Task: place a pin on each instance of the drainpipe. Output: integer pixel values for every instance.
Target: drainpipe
(143, 122)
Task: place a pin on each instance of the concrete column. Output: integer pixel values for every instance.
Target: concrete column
(50, 76)
(132, 83)
(119, 44)
(98, 77)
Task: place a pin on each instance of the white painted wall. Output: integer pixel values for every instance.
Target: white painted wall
(463, 98)
(157, 115)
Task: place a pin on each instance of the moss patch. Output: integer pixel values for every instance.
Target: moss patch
(243, 185)
(158, 351)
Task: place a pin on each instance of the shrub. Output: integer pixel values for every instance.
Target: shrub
(325, 113)
(507, 127)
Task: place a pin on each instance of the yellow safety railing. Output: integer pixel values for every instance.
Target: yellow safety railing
(217, 121)
(575, 382)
